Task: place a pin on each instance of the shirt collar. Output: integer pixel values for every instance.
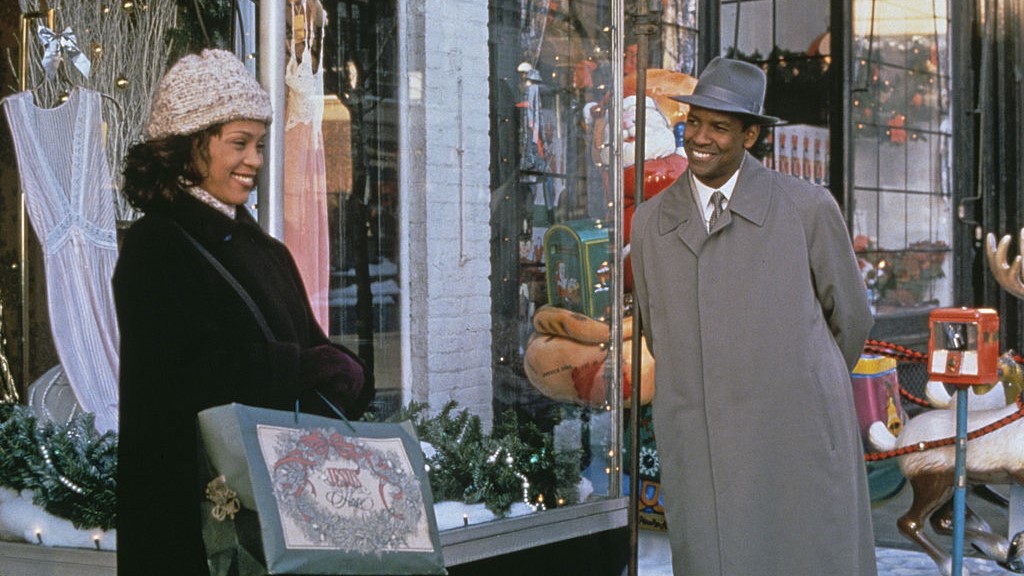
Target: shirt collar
(703, 192)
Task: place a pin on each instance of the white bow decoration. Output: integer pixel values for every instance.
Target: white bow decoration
(55, 46)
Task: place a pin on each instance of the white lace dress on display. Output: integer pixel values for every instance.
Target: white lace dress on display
(65, 177)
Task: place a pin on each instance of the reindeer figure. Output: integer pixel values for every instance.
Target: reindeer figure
(996, 457)
(993, 458)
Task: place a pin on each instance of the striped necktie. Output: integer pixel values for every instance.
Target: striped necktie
(717, 199)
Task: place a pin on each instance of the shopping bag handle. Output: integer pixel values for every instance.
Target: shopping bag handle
(333, 409)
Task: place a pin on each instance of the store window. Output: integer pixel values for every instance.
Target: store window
(360, 130)
(902, 133)
(452, 178)
(679, 36)
(470, 191)
(900, 195)
(553, 213)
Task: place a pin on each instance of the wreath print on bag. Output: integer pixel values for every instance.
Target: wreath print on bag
(343, 493)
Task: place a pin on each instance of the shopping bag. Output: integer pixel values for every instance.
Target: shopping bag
(290, 493)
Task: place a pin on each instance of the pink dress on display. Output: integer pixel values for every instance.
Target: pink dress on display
(305, 180)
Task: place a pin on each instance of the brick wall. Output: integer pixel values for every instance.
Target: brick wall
(448, 201)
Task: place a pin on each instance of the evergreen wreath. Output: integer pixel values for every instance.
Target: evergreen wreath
(303, 452)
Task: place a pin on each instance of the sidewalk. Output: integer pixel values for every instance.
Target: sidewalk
(896, 555)
(655, 560)
(893, 562)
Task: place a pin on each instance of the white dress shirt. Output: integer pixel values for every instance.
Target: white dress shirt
(702, 194)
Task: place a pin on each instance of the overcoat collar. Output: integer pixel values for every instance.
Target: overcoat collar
(208, 225)
(750, 200)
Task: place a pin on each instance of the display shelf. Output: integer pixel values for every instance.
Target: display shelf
(22, 559)
(464, 545)
(460, 545)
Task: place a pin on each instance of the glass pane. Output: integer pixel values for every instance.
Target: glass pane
(867, 151)
(757, 28)
(678, 37)
(739, 34)
(672, 71)
(341, 176)
(459, 182)
(922, 163)
(901, 127)
(553, 227)
(892, 162)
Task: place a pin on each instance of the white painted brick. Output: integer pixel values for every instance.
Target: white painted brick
(451, 249)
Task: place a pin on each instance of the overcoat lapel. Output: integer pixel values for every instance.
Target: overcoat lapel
(752, 196)
(679, 214)
(750, 200)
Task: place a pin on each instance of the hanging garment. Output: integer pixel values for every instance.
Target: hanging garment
(65, 177)
(305, 181)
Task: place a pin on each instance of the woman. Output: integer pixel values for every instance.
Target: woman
(189, 340)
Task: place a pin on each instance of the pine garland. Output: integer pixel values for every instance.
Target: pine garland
(70, 468)
(458, 444)
(516, 463)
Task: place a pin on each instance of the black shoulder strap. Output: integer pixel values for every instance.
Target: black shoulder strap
(264, 327)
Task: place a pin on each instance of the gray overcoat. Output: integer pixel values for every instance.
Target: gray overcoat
(755, 328)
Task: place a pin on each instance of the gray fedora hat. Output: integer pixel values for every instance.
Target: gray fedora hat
(728, 85)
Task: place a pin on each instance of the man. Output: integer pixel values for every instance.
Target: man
(755, 311)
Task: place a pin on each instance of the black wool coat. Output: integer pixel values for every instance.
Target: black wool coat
(189, 342)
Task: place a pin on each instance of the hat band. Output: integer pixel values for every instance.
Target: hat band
(729, 97)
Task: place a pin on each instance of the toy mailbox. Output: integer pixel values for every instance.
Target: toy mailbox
(578, 272)
(963, 349)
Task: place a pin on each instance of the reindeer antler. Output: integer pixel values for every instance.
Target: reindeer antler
(1007, 275)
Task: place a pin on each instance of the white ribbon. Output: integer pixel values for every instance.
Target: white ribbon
(55, 46)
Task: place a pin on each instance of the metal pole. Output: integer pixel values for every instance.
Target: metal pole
(23, 280)
(613, 113)
(840, 88)
(642, 27)
(960, 481)
(709, 23)
(271, 59)
(1016, 522)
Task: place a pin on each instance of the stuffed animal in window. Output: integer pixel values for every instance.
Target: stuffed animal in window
(567, 358)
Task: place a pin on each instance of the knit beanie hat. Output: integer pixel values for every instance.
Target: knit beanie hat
(204, 89)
